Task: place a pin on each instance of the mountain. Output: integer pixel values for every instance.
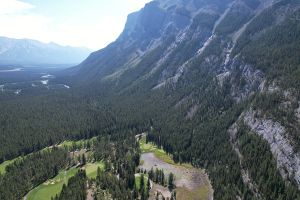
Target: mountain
(215, 83)
(234, 62)
(27, 52)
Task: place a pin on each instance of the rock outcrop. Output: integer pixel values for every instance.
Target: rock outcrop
(297, 112)
(288, 161)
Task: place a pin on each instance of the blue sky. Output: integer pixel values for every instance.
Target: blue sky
(88, 23)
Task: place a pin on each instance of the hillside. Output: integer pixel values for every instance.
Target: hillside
(204, 60)
(215, 83)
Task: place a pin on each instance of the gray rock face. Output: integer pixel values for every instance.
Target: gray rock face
(297, 112)
(243, 85)
(192, 111)
(288, 161)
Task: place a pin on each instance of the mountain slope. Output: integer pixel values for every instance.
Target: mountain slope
(149, 31)
(24, 51)
(206, 60)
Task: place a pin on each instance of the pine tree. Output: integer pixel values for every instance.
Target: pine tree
(173, 195)
(151, 174)
(135, 192)
(143, 196)
(83, 161)
(162, 181)
(142, 184)
(171, 181)
(148, 188)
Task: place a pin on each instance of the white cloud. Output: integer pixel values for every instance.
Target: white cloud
(17, 21)
(13, 6)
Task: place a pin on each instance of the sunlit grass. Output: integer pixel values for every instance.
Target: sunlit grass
(69, 143)
(5, 164)
(52, 187)
(92, 168)
(159, 153)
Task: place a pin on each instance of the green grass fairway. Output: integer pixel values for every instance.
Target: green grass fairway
(91, 169)
(51, 187)
(69, 143)
(5, 164)
(159, 153)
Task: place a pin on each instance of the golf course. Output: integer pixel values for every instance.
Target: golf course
(53, 186)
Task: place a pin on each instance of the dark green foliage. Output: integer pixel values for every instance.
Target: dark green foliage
(121, 155)
(171, 184)
(148, 187)
(43, 121)
(76, 188)
(258, 159)
(274, 49)
(238, 15)
(114, 186)
(158, 176)
(142, 184)
(24, 174)
(83, 160)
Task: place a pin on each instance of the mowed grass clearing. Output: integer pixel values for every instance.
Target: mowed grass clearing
(69, 143)
(54, 186)
(5, 164)
(159, 153)
(92, 168)
(51, 187)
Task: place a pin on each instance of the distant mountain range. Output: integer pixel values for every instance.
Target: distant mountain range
(27, 52)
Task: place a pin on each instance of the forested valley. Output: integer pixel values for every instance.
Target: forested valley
(217, 90)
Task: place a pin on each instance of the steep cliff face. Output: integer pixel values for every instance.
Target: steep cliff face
(288, 160)
(297, 112)
(161, 27)
(170, 35)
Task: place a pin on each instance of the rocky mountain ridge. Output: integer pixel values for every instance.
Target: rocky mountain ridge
(25, 51)
(209, 58)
